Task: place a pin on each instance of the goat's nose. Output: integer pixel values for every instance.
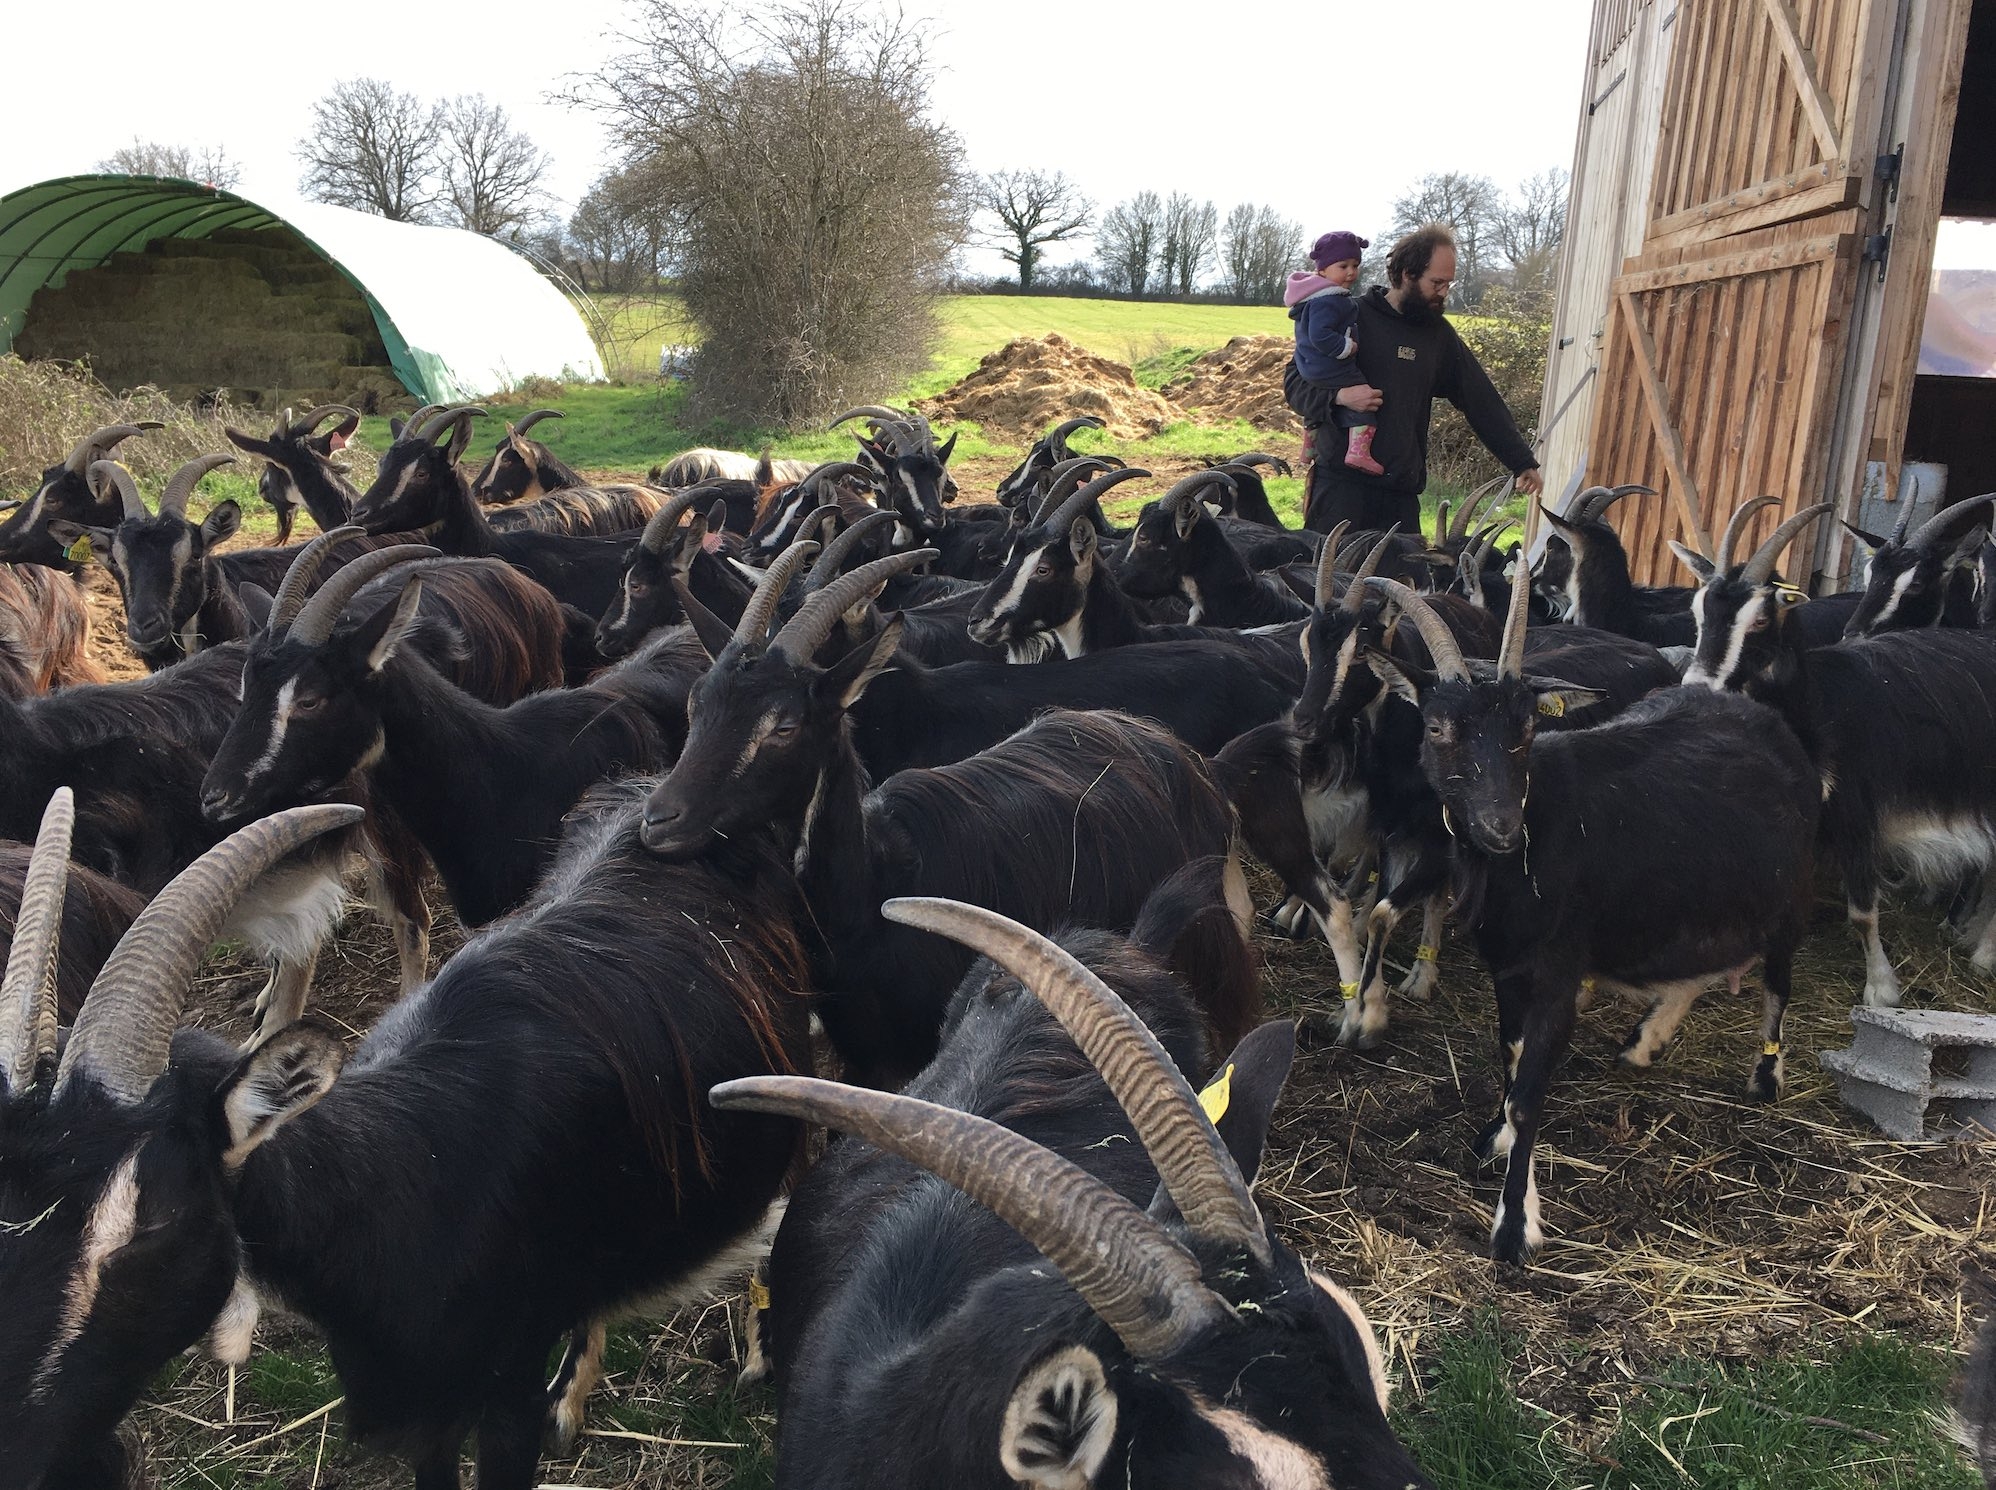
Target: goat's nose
(215, 803)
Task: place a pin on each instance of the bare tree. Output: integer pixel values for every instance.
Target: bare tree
(1191, 232)
(491, 172)
(1258, 247)
(1033, 209)
(1529, 228)
(814, 201)
(374, 149)
(1471, 207)
(1130, 242)
(209, 165)
(620, 234)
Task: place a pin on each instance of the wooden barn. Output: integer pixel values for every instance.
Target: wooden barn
(1758, 191)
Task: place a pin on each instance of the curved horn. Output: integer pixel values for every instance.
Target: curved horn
(1905, 521)
(806, 631)
(661, 523)
(127, 1022)
(1368, 567)
(1187, 488)
(1459, 529)
(1609, 496)
(1441, 641)
(1736, 525)
(298, 577)
(836, 470)
(1327, 566)
(1127, 1268)
(115, 475)
(833, 559)
(1057, 436)
(412, 426)
(322, 612)
(535, 418)
(1511, 652)
(100, 442)
(1063, 516)
(315, 417)
(753, 628)
(1262, 458)
(1951, 524)
(1193, 1163)
(27, 993)
(429, 432)
(180, 485)
(1441, 521)
(1068, 475)
(1760, 567)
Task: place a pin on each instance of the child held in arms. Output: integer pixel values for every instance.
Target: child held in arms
(1320, 303)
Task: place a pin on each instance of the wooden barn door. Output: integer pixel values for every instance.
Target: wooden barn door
(1724, 358)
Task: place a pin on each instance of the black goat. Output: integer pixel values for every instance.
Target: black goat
(779, 520)
(1031, 477)
(1075, 818)
(483, 789)
(1927, 579)
(1562, 843)
(529, 1127)
(1592, 569)
(667, 551)
(1178, 548)
(1094, 1311)
(1900, 730)
(420, 487)
(66, 494)
(520, 469)
(914, 470)
(299, 469)
(1247, 498)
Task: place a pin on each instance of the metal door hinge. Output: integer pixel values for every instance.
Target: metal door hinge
(1877, 249)
(1887, 169)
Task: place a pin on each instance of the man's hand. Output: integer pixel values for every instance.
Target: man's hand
(1360, 398)
(1531, 481)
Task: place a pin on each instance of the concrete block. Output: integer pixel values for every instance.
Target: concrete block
(1919, 1074)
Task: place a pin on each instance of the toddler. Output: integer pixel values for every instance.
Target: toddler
(1326, 317)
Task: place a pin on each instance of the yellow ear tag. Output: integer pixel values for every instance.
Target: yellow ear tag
(1552, 706)
(1772, 1047)
(1790, 595)
(758, 1294)
(1218, 1094)
(79, 551)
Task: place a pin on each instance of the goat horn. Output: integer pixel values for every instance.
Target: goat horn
(412, 426)
(27, 993)
(836, 470)
(109, 471)
(100, 442)
(535, 418)
(1069, 474)
(753, 628)
(429, 432)
(1188, 488)
(1327, 566)
(661, 523)
(891, 420)
(833, 559)
(1905, 521)
(1459, 529)
(1193, 1163)
(126, 1025)
(1362, 576)
(1057, 437)
(1760, 568)
(1079, 501)
(1609, 496)
(1511, 652)
(1127, 1268)
(314, 417)
(1736, 526)
(180, 485)
(322, 612)
(1442, 647)
(1951, 524)
(806, 631)
(298, 577)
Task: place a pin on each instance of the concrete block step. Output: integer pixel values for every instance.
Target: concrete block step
(1919, 1074)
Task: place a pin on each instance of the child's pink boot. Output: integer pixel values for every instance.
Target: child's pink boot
(1358, 451)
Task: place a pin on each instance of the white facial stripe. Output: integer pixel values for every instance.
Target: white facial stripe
(1374, 1362)
(1015, 593)
(279, 723)
(1893, 601)
(107, 1229)
(1278, 1463)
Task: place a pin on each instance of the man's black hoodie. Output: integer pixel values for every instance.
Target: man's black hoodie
(1412, 362)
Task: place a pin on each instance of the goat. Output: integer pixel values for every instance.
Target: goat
(666, 552)
(419, 486)
(1247, 499)
(914, 470)
(1900, 730)
(484, 789)
(1075, 817)
(1562, 843)
(780, 518)
(1031, 477)
(1925, 580)
(1179, 549)
(520, 469)
(1592, 569)
(65, 493)
(299, 469)
(44, 632)
(516, 1153)
(1094, 1311)
(691, 467)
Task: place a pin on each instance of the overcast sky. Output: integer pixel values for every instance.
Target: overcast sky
(1324, 117)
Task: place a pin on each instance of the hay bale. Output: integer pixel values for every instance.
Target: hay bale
(1032, 382)
(1242, 380)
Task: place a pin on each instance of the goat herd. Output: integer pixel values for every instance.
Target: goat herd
(708, 760)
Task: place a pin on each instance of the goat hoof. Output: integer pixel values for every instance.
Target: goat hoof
(1761, 1087)
(1511, 1245)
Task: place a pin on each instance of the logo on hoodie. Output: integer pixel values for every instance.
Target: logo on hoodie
(1406, 354)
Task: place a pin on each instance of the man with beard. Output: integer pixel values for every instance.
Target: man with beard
(1409, 355)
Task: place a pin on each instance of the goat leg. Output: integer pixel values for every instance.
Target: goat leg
(1515, 1230)
(1770, 1066)
(1881, 984)
(282, 1001)
(1419, 984)
(575, 1378)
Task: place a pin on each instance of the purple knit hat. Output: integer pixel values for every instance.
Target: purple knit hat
(1335, 248)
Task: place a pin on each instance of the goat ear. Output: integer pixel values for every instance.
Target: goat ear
(1060, 1423)
(460, 436)
(396, 424)
(1400, 677)
(1557, 698)
(257, 601)
(943, 451)
(339, 434)
(1081, 539)
(713, 632)
(1691, 559)
(848, 678)
(376, 638)
(250, 443)
(221, 522)
(1240, 1100)
(1185, 519)
(1871, 541)
(96, 541)
(717, 518)
(275, 1082)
